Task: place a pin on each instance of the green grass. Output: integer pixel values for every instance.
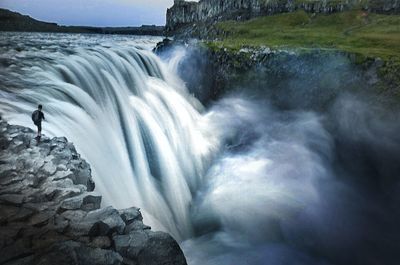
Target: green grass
(366, 34)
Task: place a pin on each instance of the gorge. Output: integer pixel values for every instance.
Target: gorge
(189, 12)
(244, 154)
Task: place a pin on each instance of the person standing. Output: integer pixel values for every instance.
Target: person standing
(37, 117)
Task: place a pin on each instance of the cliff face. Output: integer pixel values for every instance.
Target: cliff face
(183, 13)
(315, 77)
(49, 213)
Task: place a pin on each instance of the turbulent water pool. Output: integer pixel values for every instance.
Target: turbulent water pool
(238, 182)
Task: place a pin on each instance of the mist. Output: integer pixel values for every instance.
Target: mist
(308, 170)
(278, 168)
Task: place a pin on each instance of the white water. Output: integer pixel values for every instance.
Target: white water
(239, 183)
(131, 118)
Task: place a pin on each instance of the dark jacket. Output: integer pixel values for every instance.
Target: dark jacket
(41, 116)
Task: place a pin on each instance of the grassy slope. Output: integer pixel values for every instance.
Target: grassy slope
(367, 34)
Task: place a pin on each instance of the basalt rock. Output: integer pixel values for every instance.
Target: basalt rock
(186, 16)
(314, 77)
(49, 213)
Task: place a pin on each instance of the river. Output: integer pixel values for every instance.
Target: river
(238, 182)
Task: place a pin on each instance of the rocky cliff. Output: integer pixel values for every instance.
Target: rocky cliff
(314, 78)
(183, 13)
(49, 213)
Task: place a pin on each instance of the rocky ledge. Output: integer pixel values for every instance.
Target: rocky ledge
(49, 213)
(317, 76)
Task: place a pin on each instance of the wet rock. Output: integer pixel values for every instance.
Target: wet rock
(76, 215)
(71, 252)
(130, 245)
(41, 218)
(161, 248)
(8, 176)
(86, 202)
(49, 214)
(131, 214)
(100, 242)
(22, 215)
(149, 248)
(136, 226)
(47, 238)
(163, 46)
(7, 212)
(9, 235)
(48, 169)
(19, 248)
(62, 174)
(110, 222)
(21, 260)
(101, 222)
(14, 199)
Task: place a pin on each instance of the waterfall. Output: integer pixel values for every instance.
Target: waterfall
(132, 119)
(243, 182)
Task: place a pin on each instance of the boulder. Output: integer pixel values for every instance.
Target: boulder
(49, 213)
(131, 214)
(101, 222)
(87, 202)
(136, 226)
(149, 248)
(109, 217)
(41, 218)
(100, 242)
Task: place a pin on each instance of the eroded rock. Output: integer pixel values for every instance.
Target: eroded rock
(49, 214)
(86, 202)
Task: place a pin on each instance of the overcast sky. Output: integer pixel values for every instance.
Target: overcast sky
(93, 12)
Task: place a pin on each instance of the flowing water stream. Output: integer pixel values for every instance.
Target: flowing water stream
(239, 183)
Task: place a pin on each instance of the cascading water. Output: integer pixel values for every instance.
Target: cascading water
(131, 118)
(239, 183)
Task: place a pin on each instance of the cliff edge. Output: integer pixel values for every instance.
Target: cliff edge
(49, 213)
(185, 13)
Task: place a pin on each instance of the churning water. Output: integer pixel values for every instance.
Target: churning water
(238, 183)
(126, 113)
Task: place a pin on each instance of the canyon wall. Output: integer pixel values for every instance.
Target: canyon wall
(186, 13)
(49, 213)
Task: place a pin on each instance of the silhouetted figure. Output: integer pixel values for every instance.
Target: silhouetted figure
(37, 117)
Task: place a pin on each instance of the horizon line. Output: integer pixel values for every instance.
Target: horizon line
(86, 26)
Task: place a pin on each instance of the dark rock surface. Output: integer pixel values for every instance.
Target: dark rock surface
(49, 213)
(196, 18)
(194, 68)
(314, 77)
